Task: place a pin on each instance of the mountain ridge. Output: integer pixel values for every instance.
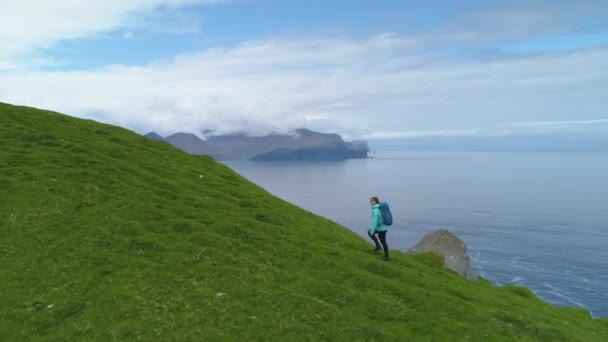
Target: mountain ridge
(300, 144)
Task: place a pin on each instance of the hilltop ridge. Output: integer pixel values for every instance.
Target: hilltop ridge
(109, 235)
(301, 144)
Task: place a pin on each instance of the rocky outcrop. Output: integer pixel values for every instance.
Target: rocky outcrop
(453, 250)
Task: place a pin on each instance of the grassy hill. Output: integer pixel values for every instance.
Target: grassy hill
(108, 235)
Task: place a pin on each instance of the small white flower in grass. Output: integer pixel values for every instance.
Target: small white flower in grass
(220, 294)
(200, 176)
(50, 306)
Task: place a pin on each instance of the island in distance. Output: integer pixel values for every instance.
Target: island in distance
(303, 144)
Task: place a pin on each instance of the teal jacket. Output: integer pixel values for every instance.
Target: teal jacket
(377, 225)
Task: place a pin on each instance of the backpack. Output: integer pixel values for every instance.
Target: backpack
(387, 217)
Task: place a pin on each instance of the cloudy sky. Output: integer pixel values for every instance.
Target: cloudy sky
(364, 69)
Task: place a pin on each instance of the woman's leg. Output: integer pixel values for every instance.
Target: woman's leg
(382, 236)
(375, 239)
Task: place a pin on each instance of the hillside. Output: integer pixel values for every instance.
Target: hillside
(108, 235)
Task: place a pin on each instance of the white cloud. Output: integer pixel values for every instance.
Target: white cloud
(559, 123)
(508, 129)
(422, 134)
(378, 84)
(383, 85)
(589, 128)
(127, 35)
(519, 20)
(26, 26)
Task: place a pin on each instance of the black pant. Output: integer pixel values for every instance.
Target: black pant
(382, 236)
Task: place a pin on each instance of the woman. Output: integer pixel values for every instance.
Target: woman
(378, 228)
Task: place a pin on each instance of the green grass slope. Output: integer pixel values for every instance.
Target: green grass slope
(107, 235)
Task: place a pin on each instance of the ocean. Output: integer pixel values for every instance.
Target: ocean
(533, 219)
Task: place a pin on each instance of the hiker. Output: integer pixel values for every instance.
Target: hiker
(378, 227)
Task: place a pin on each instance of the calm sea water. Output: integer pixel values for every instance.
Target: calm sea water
(538, 220)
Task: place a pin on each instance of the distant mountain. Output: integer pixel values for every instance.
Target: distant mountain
(360, 145)
(154, 136)
(192, 144)
(301, 144)
(242, 146)
(336, 151)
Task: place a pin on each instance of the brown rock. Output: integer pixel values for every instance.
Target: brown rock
(453, 250)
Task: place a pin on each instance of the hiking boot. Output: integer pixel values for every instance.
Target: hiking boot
(385, 258)
(377, 249)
